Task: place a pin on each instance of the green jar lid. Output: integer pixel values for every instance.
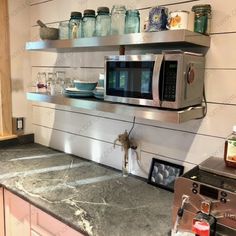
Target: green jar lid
(132, 12)
(202, 7)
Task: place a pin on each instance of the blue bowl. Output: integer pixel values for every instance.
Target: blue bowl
(85, 85)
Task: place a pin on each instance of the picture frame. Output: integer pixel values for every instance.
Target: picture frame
(163, 174)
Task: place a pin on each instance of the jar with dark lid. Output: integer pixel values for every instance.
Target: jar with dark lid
(75, 28)
(88, 23)
(132, 21)
(103, 21)
(230, 149)
(202, 18)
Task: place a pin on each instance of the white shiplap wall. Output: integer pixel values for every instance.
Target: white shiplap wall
(19, 28)
(90, 134)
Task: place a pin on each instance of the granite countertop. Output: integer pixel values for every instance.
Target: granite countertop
(88, 197)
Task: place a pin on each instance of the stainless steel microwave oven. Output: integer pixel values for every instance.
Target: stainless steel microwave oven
(173, 79)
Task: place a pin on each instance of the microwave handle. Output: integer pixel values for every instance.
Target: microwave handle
(155, 80)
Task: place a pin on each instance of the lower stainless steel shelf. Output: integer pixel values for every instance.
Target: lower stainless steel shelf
(169, 116)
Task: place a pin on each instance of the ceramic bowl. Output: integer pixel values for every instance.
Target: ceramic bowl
(85, 85)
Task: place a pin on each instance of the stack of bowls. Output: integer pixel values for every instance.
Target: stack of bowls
(82, 89)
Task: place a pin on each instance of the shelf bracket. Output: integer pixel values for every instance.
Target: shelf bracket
(122, 50)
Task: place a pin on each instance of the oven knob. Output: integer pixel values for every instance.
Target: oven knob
(194, 191)
(223, 194)
(195, 185)
(223, 200)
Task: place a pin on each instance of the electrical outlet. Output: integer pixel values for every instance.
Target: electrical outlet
(18, 125)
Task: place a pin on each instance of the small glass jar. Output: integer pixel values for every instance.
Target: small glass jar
(202, 18)
(88, 23)
(75, 25)
(60, 82)
(132, 21)
(118, 19)
(64, 30)
(103, 22)
(41, 83)
(230, 149)
(51, 82)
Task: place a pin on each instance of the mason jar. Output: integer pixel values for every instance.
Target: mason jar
(75, 25)
(118, 19)
(202, 18)
(64, 30)
(103, 21)
(132, 21)
(88, 23)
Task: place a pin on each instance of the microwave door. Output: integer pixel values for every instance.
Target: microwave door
(155, 80)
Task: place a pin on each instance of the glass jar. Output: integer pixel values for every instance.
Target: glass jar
(132, 21)
(75, 25)
(51, 82)
(103, 22)
(230, 149)
(64, 30)
(202, 18)
(88, 23)
(41, 83)
(118, 19)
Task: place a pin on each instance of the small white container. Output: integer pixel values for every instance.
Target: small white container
(178, 20)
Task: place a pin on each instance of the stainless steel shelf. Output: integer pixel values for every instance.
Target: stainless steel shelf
(169, 116)
(175, 37)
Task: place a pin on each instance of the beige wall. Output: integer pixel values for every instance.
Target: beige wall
(19, 22)
(90, 134)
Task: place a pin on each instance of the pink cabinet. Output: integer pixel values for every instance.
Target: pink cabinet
(1, 213)
(21, 218)
(43, 224)
(17, 215)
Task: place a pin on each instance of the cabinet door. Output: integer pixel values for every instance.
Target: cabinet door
(1, 213)
(43, 224)
(17, 215)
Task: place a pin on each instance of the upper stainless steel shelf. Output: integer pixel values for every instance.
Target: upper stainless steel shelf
(128, 110)
(177, 37)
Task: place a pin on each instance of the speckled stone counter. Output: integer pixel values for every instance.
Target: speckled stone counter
(88, 197)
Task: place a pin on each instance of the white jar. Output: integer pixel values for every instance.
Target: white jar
(178, 20)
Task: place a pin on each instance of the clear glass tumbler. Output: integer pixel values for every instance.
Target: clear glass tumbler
(64, 30)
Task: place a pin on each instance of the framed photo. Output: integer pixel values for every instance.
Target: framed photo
(163, 174)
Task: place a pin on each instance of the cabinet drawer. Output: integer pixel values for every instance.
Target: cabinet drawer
(17, 215)
(1, 213)
(43, 224)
